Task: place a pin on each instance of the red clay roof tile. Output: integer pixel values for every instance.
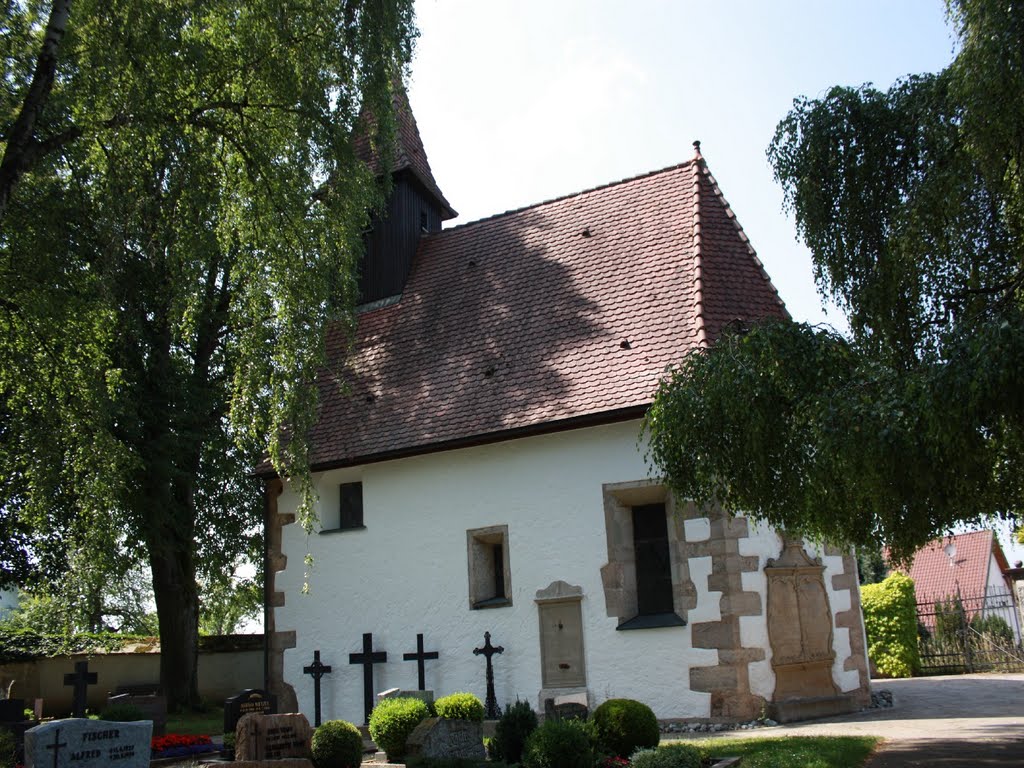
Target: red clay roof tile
(546, 317)
(959, 562)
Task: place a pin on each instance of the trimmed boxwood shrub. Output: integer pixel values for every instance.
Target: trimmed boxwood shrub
(511, 732)
(122, 713)
(890, 620)
(391, 722)
(624, 725)
(559, 744)
(337, 744)
(669, 756)
(460, 706)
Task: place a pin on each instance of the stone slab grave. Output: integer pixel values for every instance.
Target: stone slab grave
(251, 701)
(152, 704)
(82, 743)
(440, 737)
(272, 737)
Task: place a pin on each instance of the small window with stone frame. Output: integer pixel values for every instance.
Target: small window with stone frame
(490, 578)
(350, 508)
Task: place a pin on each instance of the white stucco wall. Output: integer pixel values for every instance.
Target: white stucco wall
(407, 573)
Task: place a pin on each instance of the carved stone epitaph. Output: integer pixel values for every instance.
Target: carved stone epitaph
(799, 625)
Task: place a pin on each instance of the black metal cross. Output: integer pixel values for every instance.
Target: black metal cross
(493, 710)
(57, 744)
(368, 658)
(419, 657)
(316, 670)
(81, 679)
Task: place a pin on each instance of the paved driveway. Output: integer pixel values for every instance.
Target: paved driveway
(958, 721)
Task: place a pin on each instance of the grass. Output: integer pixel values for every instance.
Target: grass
(209, 722)
(793, 751)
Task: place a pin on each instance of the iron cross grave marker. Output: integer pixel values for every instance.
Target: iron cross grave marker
(316, 670)
(419, 657)
(368, 658)
(493, 710)
(81, 679)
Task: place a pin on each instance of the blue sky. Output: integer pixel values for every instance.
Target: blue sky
(518, 102)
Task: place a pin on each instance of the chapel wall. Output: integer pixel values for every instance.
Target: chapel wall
(406, 573)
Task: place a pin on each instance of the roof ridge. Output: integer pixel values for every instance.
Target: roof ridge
(731, 215)
(698, 249)
(569, 195)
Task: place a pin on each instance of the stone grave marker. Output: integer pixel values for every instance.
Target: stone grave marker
(252, 701)
(427, 697)
(152, 705)
(440, 737)
(80, 680)
(272, 737)
(81, 743)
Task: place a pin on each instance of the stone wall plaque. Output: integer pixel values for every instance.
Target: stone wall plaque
(81, 743)
(272, 737)
(560, 616)
(443, 738)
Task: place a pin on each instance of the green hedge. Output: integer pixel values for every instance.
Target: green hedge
(460, 706)
(890, 619)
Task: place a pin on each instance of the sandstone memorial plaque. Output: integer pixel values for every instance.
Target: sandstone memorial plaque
(81, 743)
(272, 737)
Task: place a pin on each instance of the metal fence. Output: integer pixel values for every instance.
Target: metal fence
(970, 633)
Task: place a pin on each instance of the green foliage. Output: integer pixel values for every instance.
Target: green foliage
(516, 724)
(391, 722)
(452, 762)
(337, 744)
(122, 713)
(911, 201)
(871, 566)
(559, 744)
(180, 212)
(7, 749)
(25, 645)
(993, 629)
(950, 621)
(460, 706)
(890, 620)
(667, 756)
(226, 603)
(623, 725)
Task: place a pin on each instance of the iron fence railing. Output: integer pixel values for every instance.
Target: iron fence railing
(970, 633)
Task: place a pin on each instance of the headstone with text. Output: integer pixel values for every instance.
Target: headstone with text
(439, 737)
(252, 701)
(82, 743)
(272, 737)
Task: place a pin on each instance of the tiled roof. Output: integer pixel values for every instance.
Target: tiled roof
(562, 313)
(956, 562)
(409, 152)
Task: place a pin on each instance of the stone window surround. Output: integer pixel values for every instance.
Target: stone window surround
(618, 575)
(480, 567)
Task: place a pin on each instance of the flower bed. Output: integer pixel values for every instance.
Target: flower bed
(180, 745)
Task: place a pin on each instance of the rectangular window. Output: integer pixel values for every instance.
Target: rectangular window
(653, 565)
(489, 574)
(351, 506)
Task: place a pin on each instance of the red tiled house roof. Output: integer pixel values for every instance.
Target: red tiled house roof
(558, 315)
(956, 565)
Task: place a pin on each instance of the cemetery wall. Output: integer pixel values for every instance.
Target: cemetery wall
(221, 674)
(406, 572)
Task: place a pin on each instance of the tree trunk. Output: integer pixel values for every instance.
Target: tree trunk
(177, 605)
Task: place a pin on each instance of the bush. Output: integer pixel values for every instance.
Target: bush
(451, 762)
(391, 722)
(6, 748)
(558, 744)
(460, 706)
(337, 744)
(511, 732)
(994, 629)
(623, 725)
(890, 620)
(122, 713)
(669, 756)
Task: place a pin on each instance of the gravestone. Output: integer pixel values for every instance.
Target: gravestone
(439, 737)
(152, 705)
(316, 670)
(12, 710)
(493, 711)
(80, 680)
(252, 701)
(81, 743)
(272, 737)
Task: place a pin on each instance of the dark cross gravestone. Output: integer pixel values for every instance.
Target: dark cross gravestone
(81, 679)
(249, 701)
(493, 710)
(316, 670)
(419, 657)
(368, 658)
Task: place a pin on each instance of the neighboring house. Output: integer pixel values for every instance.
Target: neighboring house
(970, 568)
(480, 468)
